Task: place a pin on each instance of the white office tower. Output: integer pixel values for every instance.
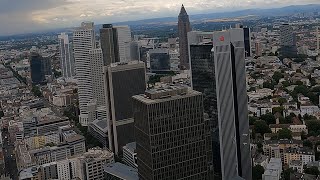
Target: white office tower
(66, 56)
(97, 76)
(84, 42)
(124, 41)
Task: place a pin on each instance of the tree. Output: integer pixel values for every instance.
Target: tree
(313, 127)
(284, 134)
(268, 84)
(312, 170)
(252, 120)
(1, 114)
(286, 83)
(282, 101)
(36, 91)
(268, 118)
(307, 143)
(257, 172)
(261, 127)
(307, 117)
(286, 173)
(278, 109)
(277, 76)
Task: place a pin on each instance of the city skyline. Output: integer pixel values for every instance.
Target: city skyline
(35, 16)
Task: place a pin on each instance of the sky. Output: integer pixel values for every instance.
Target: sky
(24, 16)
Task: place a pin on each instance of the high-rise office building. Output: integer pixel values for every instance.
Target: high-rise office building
(47, 65)
(203, 80)
(218, 70)
(230, 79)
(124, 41)
(122, 81)
(97, 76)
(183, 28)
(170, 134)
(109, 44)
(84, 42)
(159, 60)
(258, 48)
(66, 56)
(247, 41)
(287, 40)
(36, 68)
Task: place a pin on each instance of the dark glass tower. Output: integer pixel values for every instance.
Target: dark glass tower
(122, 81)
(37, 68)
(170, 134)
(247, 41)
(109, 44)
(183, 28)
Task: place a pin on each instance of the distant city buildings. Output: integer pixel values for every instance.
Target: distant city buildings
(66, 56)
(183, 28)
(170, 134)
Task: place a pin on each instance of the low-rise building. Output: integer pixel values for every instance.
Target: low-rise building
(130, 155)
(273, 170)
(120, 172)
(296, 165)
(303, 154)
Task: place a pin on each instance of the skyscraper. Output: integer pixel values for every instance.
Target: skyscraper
(109, 44)
(287, 40)
(115, 43)
(229, 60)
(183, 28)
(122, 81)
(218, 70)
(159, 60)
(84, 42)
(170, 134)
(124, 41)
(66, 56)
(96, 62)
(247, 41)
(36, 68)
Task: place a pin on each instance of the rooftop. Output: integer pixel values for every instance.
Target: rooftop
(121, 171)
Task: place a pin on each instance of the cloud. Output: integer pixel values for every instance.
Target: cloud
(21, 16)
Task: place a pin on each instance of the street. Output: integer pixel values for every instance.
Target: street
(9, 157)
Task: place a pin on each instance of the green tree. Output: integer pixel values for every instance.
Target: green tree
(307, 143)
(252, 120)
(261, 127)
(284, 134)
(307, 117)
(278, 109)
(286, 173)
(257, 172)
(268, 84)
(277, 76)
(286, 83)
(1, 114)
(36, 91)
(282, 101)
(268, 118)
(313, 127)
(312, 170)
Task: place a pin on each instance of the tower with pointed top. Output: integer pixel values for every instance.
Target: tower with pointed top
(183, 28)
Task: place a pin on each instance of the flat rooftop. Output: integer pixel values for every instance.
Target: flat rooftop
(121, 171)
(165, 93)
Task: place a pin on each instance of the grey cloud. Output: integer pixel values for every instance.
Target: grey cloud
(18, 6)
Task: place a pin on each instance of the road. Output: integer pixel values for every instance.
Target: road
(9, 157)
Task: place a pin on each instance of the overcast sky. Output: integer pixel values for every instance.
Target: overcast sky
(22, 16)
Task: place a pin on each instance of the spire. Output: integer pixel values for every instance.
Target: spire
(183, 11)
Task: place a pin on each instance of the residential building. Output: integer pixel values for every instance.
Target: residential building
(83, 43)
(296, 165)
(171, 117)
(66, 56)
(93, 163)
(183, 28)
(305, 155)
(122, 81)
